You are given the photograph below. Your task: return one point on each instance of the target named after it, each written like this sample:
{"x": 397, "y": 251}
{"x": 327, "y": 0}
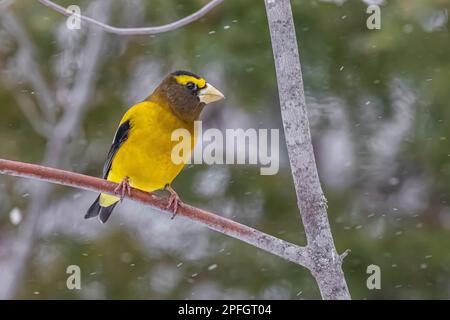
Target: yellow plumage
{"x": 142, "y": 154}
{"x": 145, "y": 157}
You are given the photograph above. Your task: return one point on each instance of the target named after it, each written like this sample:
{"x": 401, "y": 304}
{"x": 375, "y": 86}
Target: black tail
{"x": 94, "y": 209}
{"x": 97, "y": 210}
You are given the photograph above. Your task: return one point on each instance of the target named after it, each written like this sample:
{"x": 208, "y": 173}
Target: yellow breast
{"x": 145, "y": 157}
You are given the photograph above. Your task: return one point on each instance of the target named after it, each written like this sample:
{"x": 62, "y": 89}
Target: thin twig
{"x": 273, "y": 245}
{"x": 345, "y": 254}
{"x": 137, "y": 31}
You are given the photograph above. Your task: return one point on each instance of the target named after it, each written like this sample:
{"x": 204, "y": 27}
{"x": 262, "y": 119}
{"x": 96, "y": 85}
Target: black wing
{"x": 119, "y": 138}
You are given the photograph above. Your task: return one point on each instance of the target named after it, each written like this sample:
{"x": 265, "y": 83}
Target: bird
{"x": 140, "y": 154}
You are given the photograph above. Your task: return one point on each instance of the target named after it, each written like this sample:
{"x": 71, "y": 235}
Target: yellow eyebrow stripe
{"x": 185, "y": 79}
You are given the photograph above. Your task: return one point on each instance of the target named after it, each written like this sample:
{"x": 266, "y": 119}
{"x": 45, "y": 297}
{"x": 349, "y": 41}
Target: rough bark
{"x": 326, "y": 263}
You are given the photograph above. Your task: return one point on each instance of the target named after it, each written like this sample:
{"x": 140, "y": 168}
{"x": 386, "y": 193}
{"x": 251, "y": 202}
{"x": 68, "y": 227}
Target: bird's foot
{"x": 174, "y": 200}
{"x": 123, "y": 188}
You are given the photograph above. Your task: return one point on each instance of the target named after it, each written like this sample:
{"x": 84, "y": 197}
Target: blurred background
{"x": 378, "y": 106}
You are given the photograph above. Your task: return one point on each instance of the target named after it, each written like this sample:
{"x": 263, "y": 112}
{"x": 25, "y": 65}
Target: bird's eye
{"x": 191, "y": 86}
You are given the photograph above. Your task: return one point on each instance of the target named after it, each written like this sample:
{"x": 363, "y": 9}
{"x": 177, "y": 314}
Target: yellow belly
{"x": 146, "y": 156}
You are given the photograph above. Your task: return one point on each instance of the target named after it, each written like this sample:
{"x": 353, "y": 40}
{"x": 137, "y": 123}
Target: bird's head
{"x": 186, "y": 94}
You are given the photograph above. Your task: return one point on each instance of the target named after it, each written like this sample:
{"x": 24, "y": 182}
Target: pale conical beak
{"x": 210, "y": 94}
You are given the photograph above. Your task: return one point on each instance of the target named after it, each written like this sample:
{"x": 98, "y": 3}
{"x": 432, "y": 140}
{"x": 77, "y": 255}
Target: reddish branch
{"x": 213, "y": 221}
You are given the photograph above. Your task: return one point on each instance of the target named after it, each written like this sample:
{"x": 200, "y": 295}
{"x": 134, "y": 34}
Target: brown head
{"x": 185, "y": 94}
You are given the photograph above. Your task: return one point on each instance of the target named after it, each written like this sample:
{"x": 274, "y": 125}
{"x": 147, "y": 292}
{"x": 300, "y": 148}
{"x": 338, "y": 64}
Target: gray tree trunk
{"x": 326, "y": 263}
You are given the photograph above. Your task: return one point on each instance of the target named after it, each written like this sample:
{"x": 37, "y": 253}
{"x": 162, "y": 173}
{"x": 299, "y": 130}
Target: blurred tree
{"x": 387, "y": 188}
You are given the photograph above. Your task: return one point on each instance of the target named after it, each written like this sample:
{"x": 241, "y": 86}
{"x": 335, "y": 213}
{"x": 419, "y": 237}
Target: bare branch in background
{"x": 4, "y": 4}
{"x": 29, "y": 110}
{"x": 273, "y": 245}
{"x": 326, "y": 262}
{"x": 79, "y": 95}
{"x": 65, "y": 127}
{"x": 137, "y": 31}
{"x": 26, "y": 63}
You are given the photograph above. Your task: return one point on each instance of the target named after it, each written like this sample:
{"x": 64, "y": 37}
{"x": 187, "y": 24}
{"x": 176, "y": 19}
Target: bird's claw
{"x": 174, "y": 200}
{"x": 123, "y": 188}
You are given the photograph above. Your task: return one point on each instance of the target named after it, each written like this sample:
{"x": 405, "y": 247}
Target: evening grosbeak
{"x": 140, "y": 154}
